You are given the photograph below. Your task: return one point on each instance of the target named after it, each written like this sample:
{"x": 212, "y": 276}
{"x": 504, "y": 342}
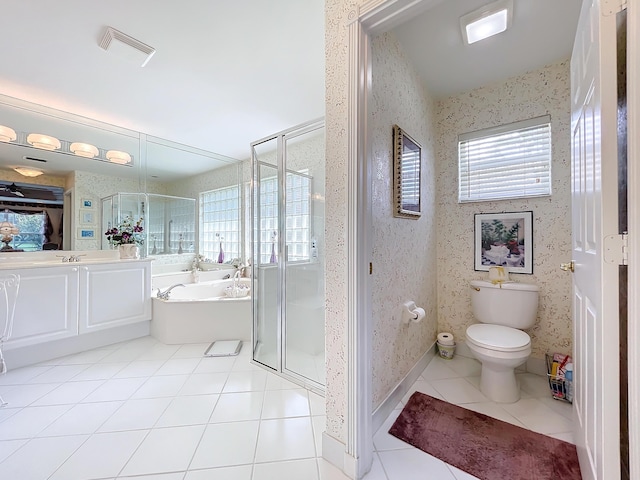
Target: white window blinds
{"x": 509, "y": 161}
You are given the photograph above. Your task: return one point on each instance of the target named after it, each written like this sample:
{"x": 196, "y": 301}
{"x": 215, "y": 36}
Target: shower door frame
{"x": 281, "y": 162}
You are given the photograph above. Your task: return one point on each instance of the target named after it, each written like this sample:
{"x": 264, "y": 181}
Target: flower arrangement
{"x": 126, "y": 233}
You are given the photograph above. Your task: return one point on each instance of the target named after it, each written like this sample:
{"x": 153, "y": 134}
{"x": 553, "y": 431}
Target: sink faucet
{"x": 165, "y": 295}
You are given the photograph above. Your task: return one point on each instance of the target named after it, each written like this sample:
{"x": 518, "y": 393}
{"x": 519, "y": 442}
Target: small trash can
{"x": 446, "y": 351}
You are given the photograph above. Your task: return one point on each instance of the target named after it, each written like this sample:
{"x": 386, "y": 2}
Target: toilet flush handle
{"x": 477, "y": 289}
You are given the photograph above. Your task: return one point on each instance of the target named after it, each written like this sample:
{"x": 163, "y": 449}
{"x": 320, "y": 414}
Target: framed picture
{"x": 87, "y": 217}
{"x": 86, "y": 233}
{"x": 86, "y": 203}
{"x": 407, "y": 166}
{"x": 504, "y": 239}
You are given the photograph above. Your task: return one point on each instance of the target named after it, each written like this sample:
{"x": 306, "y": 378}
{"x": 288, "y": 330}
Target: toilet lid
{"x": 497, "y": 337}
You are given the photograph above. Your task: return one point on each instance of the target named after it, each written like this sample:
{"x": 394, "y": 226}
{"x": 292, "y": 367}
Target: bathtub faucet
{"x": 165, "y": 295}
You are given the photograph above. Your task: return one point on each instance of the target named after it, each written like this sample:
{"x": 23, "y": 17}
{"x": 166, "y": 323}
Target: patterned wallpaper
{"x": 544, "y": 91}
{"x": 404, "y": 260}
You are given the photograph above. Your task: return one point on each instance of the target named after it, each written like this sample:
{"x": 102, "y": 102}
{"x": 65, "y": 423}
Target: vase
{"x": 274, "y": 257}
{"x": 129, "y": 251}
{"x": 221, "y": 254}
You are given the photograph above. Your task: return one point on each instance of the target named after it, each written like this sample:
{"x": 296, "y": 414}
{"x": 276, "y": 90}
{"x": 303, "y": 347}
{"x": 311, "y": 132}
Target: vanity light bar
{"x": 80, "y": 149}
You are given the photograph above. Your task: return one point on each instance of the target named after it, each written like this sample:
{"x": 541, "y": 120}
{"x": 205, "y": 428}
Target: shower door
{"x": 288, "y": 257}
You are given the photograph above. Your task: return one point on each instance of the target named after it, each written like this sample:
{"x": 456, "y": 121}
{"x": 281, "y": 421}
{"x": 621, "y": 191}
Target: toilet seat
{"x": 498, "y": 337}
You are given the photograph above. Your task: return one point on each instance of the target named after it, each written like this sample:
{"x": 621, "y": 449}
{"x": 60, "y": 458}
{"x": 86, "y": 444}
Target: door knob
{"x": 568, "y": 267}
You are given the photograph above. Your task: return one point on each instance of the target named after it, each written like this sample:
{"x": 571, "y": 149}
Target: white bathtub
{"x": 201, "y": 313}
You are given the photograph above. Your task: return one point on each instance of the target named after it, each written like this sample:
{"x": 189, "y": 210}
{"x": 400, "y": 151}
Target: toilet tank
{"x": 510, "y": 304}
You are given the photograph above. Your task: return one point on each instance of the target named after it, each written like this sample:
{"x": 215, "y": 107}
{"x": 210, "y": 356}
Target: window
{"x": 32, "y": 228}
{"x": 510, "y": 161}
{"x": 297, "y": 216}
{"x": 220, "y": 223}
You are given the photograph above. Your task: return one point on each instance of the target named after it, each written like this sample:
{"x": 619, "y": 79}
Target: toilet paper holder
{"x": 412, "y": 313}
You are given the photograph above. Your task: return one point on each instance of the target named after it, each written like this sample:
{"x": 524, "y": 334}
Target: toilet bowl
{"x": 497, "y": 342}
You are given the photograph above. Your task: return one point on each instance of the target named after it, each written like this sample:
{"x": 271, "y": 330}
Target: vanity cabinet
{"x": 46, "y": 306}
{"x": 111, "y": 297}
{"x": 61, "y": 301}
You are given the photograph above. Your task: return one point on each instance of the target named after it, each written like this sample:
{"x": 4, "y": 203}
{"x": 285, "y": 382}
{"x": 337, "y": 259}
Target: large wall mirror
{"x": 56, "y": 169}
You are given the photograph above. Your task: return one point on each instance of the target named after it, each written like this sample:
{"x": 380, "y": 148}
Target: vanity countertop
{"x": 19, "y": 260}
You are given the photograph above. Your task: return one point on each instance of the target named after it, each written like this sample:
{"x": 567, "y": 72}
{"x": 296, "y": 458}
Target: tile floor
{"x": 148, "y": 411}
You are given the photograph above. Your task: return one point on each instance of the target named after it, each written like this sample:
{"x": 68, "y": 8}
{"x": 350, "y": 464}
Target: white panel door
{"x": 594, "y": 216}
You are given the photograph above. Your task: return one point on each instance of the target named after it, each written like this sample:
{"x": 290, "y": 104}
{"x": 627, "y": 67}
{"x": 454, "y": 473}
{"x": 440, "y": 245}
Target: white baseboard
{"x": 29, "y": 355}
{"x": 389, "y": 404}
{"x": 334, "y": 452}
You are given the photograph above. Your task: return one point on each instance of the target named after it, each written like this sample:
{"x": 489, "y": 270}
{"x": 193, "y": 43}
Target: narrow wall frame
{"x": 407, "y": 175}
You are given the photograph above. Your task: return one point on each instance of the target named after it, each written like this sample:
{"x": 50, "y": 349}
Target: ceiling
{"x": 227, "y": 73}
{"x": 541, "y": 33}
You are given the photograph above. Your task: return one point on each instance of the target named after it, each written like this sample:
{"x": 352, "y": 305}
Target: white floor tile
{"x": 191, "y": 410}
{"x": 84, "y": 358}
{"x": 84, "y": 418}
{"x": 422, "y": 386}
{"x": 102, "y": 455}
{"x": 383, "y": 440}
{"x": 7, "y": 411}
{"x": 215, "y": 365}
{"x": 161, "y": 386}
{"x": 68, "y": 393}
{"x": 285, "y": 439}
{"x": 60, "y": 373}
{"x": 165, "y": 450}
{"x": 115, "y": 389}
{"x": 565, "y": 437}
{"x": 139, "y": 368}
{"x": 535, "y": 385}
{"x": 22, "y": 375}
{"x": 160, "y": 476}
{"x": 40, "y": 457}
{"x": 376, "y": 473}
{"x": 7, "y": 447}
{"x": 294, "y": 469}
{"x": 285, "y": 404}
{"x": 159, "y": 352}
{"x": 463, "y": 366}
{"x": 253, "y": 381}
{"x": 178, "y": 366}
{"x": 226, "y": 444}
{"x": 30, "y": 421}
{"x": 458, "y": 391}
{"x": 241, "y": 472}
{"x": 411, "y": 464}
{"x": 22, "y": 395}
{"x": 559, "y": 406}
{"x": 138, "y": 414}
{"x": 204, "y": 383}
{"x": 233, "y": 407}
{"x": 536, "y": 416}
{"x": 191, "y": 350}
{"x": 99, "y": 371}
{"x": 318, "y": 423}
{"x": 317, "y": 404}
{"x": 328, "y": 471}
{"x": 438, "y": 369}
{"x": 122, "y": 355}
{"x": 276, "y": 382}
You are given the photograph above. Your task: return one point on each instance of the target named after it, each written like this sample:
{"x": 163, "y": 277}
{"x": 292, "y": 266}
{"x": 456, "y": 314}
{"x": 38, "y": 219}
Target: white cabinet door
{"x": 46, "y": 307}
{"x": 113, "y": 295}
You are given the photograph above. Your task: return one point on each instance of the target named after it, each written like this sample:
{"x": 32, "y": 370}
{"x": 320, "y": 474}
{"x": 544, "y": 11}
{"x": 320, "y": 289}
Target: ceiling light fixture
{"x": 7, "y": 134}
{"x": 28, "y": 171}
{"x": 85, "y": 150}
{"x": 116, "y": 156}
{"x": 487, "y": 21}
{"x": 44, "y": 142}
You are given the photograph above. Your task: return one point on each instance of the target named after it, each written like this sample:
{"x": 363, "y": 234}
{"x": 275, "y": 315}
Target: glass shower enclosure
{"x": 287, "y": 200}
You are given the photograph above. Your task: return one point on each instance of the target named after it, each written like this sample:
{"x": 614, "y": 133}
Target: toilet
{"x": 503, "y": 309}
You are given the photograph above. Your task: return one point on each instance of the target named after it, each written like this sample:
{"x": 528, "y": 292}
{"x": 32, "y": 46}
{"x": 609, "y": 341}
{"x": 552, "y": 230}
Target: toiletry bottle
{"x": 568, "y": 375}
{"x": 314, "y": 250}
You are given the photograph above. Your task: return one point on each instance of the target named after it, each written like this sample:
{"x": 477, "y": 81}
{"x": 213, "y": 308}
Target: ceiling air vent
{"x": 126, "y": 47}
